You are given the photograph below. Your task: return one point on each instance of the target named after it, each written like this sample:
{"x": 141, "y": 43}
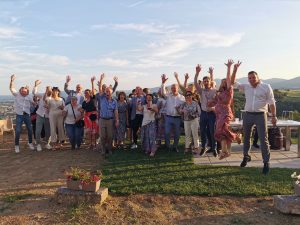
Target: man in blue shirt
{"x": 109, "y": 118}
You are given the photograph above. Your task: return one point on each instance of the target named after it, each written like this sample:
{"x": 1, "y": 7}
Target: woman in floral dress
{"x": 224, "y": 115}
{"x": 123, "y": 119}
{"x": 148, "y": 131}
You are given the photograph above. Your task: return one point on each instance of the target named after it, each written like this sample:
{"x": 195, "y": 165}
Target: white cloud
{"x": 15, "y": 56}
{"x": 113, "y": 62}
{"x": 207, "y": 40}
{"x": 136, "y": 4}
{"x": 10, "y": 32}
{"x": 14, "y": 19}
{"x": 139, "y": 27}
{"x": 64, "y": 34}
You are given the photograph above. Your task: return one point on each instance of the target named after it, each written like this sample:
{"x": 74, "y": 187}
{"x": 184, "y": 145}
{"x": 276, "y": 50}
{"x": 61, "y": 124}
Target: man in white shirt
{"x": 172, "y": 118}
{"x": 258, "y": 97}
{"x": 22, "y": 109}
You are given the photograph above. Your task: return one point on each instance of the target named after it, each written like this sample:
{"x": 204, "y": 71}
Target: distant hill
{"x": 276, "y": 83}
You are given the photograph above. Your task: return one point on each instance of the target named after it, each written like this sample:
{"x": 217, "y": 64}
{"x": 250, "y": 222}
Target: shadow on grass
{"x": 128, "y": 172}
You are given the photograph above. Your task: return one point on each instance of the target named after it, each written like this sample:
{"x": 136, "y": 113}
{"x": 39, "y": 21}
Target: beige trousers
{"x": 191, "y": 129}
{"x": 57, "y": 124}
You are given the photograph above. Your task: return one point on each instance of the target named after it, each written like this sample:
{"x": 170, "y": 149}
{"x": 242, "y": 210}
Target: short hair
{"x": 74, "y": 98}
{"x": 146, "y": 90}
{"x": 206, "y": 77}
{"x": 133, "y": 90}
{"x": 55, "y": 89}
{"x": 252, "y": 72}
{"x": 88, "y": 90}
{"x": 121, "y": 93}
{"x": 150, "y": 95}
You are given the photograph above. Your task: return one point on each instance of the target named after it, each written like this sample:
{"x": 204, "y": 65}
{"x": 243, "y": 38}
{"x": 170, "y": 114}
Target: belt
{"x": 25, "y": 113}
{"x": 255, "y": 113}
{"x": 109, "y": 118}
{"x": 174, "y": 116}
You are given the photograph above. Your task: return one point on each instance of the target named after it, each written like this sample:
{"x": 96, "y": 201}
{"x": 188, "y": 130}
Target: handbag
{"x": 79, "y": 123}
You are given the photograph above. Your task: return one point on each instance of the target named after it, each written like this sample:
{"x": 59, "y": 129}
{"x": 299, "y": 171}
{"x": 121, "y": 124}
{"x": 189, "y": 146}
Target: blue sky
{"x": 138, "y": 40}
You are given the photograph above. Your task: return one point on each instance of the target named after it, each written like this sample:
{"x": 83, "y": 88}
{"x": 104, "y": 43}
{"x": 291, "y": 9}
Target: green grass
{"x": 129, "y": 172}
{"x": 16, "y": 197}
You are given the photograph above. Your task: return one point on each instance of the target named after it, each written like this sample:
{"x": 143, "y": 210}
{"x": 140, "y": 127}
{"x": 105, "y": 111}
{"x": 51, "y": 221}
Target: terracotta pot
{"x": 74, "y": 185}
{"x": 297, "y": 189}
{"x": 92, "y": 186}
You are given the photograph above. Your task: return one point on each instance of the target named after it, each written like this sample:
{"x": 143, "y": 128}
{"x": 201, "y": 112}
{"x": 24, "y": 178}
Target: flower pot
{"x": 74, "y": 184}
{"x": 297, "y": 189}
{"x": 92, "y": 186}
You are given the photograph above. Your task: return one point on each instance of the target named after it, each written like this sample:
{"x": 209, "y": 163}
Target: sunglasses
{"x": 188, "y": 95}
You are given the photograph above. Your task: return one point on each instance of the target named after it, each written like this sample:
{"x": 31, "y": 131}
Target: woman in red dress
{"x": 224, "y": 115}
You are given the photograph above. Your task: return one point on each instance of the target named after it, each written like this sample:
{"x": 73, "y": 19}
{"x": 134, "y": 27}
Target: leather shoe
{"x": 246, "y": 159}
{"x": 266, "y": 168}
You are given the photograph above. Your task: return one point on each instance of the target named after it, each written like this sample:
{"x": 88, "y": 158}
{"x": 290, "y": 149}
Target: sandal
{"x": 238, "y": 138}
{"x": 224, "y": 155}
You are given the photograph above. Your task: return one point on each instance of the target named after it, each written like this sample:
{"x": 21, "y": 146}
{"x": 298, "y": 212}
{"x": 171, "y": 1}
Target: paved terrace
{"x": 279, "y": 158}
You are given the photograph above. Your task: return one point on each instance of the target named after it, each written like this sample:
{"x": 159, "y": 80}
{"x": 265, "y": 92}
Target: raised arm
{"x": 182, "y": 88}
{"x": 228, "y": 77}
{"x": 235, "y": 68}
{"x": 100, "y": 83}
{"x": 197, "y": 86}
{"x": 186, "y": 77}
{"x": 116, "y": 84}
{"x": 34, "y": 90}
{"x": 93, "y": 87}
{"x": 11, "y": 85}
{"x": 163, "y": 88}
{"x": 66, "y": 87}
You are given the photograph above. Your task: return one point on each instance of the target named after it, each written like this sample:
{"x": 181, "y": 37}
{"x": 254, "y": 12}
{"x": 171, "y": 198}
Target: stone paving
{"x": 279, "y": 158}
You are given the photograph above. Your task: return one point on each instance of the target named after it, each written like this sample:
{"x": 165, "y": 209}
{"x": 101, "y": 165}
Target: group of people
{"x": 105, "y": 121}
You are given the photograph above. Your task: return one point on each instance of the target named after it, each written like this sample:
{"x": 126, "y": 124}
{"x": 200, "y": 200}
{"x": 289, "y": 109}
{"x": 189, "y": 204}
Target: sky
{"x": 138, "y": 40}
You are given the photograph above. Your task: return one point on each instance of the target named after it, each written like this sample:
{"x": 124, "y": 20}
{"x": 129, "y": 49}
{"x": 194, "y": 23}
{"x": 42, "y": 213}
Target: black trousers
{"x": 136, "y": 124}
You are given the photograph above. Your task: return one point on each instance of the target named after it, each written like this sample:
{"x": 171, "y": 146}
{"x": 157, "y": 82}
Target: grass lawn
{"x": 129, "y": 172}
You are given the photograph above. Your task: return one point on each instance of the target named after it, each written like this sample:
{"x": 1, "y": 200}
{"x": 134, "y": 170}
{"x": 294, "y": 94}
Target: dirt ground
{"x": 29, "y": 180}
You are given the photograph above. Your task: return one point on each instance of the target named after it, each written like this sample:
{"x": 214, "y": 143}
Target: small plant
{"x": 295, "y": 176}
{"x": 84, "y": 176}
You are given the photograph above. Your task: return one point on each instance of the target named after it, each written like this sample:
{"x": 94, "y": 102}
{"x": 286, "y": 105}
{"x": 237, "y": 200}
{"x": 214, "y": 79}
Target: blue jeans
{"x": 75, "y": 134}
{"x": 175, "y": 122}
{"x": 19, "y": 121}
{"x": 207, "y": 125}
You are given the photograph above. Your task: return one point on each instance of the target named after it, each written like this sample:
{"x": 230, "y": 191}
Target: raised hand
{"x": 164, "y": 78}
{"x": 115, "y": 79}
{"x": 211, "y": 70}
{"x": 68, "y": 78}
{"x": 186, "y": 76}
{"x": 229, "y": 63}
{"x": 12, "y": 77}
{"x": 176, "y": 75}
{"x": 102, "y": 76}
{"x": 37, "y": 82}
{"x": 237, "y": 65}
{"x": 93, "y": 78}
{"x": 198, "y": 69}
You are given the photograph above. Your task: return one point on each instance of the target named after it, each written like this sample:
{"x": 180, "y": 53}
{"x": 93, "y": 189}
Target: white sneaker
{"x": 134, "y": 146}
{"x": 31, "y": 146}
{"x": 17, "y": 148}
{"x": 48, "y": 146}
{"x": 39, "y": 148}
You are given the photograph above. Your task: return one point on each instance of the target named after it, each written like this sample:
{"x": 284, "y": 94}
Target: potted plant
{"x": 297, "y": 183}
{"x": 80, "y": 179}
{"x": 92, "y": 181}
